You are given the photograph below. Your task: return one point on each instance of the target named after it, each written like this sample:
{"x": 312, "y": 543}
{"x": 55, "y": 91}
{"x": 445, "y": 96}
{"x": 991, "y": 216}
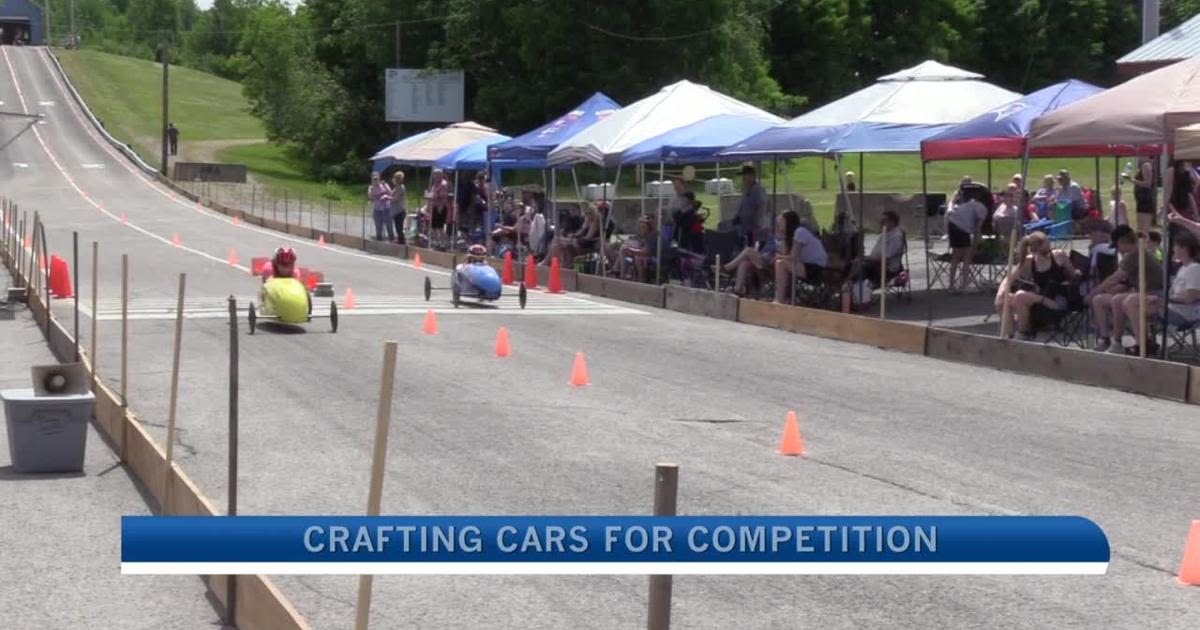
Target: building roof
{"x": 1181, "y": 42}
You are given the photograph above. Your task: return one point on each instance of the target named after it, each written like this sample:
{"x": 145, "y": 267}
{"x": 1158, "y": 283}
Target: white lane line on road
{"x": 20, "y": 164}
{"x": 71, "y": 181}
{"x": 46, "y": 103}
{"x": 204, "y": 308}
{"x": 92, "y": 165}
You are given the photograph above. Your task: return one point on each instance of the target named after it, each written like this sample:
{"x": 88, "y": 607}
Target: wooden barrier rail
{"x": 854, "y": 328}
{"x": 261, "y": 606}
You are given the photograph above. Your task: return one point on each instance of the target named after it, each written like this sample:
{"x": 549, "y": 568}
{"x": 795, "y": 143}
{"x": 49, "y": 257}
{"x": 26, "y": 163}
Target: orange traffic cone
{"x": 233, "y": 259}
{"x": 236, "y": 220}
{"x": 792, "y": 443}
{"x": 124, "y": 219}
{"x": 175, "y": 240}
{"x": 502, "y": 349}
{"x": 1189, "y": 569}
{"x": 311, "y": 282}
{"x": 506, "y": 274}
{"x": 530, "y": 273}
{"x": 348, "y": 300}
{"x": 555, "y": 282}
{"x": 579, "y": 373}
{"x": 60, "y": 278}
{"x": 321, "y": 240}
{"x": 430, "y": 323}
{"x": 417, "y": 260}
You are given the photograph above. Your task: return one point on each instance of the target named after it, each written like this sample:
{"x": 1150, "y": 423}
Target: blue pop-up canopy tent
{"x": 473, "y": 156}
{"x": 701, "y": 140}
{"x": 1003, "y": 132}
{"x": 529, "y": 150}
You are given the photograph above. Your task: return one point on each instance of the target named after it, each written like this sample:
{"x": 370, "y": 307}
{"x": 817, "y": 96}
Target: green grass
{"x": 126, "y": 94}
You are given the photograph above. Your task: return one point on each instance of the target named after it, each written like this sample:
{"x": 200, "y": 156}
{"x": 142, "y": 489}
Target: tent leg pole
{"x": 925, "y": 218}
{"x": 658, "y": 254}
{"x": 862, "y": 229}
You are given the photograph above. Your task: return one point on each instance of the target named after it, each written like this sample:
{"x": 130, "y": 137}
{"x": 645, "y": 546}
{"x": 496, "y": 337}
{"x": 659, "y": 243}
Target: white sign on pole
{"x": 415, "y": 95}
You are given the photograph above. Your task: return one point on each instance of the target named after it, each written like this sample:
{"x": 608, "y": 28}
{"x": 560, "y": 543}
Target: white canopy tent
{"x": 677, "y": 105}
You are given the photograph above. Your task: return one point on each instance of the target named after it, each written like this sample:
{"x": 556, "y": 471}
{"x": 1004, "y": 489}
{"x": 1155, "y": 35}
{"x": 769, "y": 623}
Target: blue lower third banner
{"x": 640, "y": 545}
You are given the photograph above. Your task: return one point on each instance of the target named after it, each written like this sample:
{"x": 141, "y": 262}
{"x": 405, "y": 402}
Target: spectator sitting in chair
{"x": 751, "y": 261}
{"x": 1010, "y": 213}
{"x": 1107, "y": 297}
{"x": 638, "y": 250}
{"x": 1178, "y": 219}
{"x": 568, "y": 245}
{"x": 868, "y": 267}
{"x": 1040, "y": 286}
{"x": 1183, "y": 305}
{"x": 1044, "y": 197}
{"x": 689, "y": 225}
{"x": 505, "y": 234}
{"x": 1072, "y": 194}
{"x": 1155, "y": 243}
{"x": 1101, "y": 254}
{"x": 806, "y": 260}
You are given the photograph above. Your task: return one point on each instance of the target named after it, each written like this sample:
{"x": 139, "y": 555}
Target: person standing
{"x": 1144, "y": 185}
{"x": 399, "y": 204}
{"x": 752, "y": 206}
{"x": 173, "y": 138}
{"x": 380, "y": 196}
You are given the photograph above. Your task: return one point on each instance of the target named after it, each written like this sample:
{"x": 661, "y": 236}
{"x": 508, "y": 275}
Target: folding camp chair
{"x": 1182, "y": 341}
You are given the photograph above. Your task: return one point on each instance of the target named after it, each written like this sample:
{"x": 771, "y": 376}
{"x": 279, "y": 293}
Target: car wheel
{"x": 333, "y": 316}
{"x": 428, "y": 288}
{"x": 522, "y": 295}
{"x": 252, "y": 316}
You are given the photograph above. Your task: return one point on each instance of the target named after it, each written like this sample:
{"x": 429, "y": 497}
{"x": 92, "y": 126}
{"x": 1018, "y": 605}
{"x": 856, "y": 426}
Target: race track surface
{"x": 887, "y": 433}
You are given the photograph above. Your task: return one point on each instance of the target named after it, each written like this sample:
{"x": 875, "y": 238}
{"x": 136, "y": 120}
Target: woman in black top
{"x": 1040, "y": 285}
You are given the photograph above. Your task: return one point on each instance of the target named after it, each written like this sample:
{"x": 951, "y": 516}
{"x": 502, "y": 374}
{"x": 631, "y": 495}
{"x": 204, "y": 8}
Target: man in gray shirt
{"x": 753, "y": 205}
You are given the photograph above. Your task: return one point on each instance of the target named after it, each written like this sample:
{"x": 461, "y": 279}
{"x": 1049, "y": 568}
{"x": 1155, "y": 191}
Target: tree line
{"x": 314, "y": 72}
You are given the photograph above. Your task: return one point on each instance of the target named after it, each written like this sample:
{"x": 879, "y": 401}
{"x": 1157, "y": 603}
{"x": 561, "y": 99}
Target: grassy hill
{"x": 213, "y": 117}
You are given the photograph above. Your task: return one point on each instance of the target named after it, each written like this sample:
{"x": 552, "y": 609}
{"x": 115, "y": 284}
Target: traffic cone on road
{"x": 60, "y": 278}
{"x": 311, "y": 283}
{"x": 579, "y": 372}
{"x": 348, "y": 300}
{"x": 236, "y": 220}
{"x": 175, "y": 240}
{"x": 430, "y": 327}
{"x": 530, "y": 273}
{"x": 1189, "y": 569}
{"x": 502, "y": 349}
{"x": 555, "y": 284}
{"x": 321, "y": 240}
{"x": 791, "y": 444}
{"x": 417, "y": 260}
{"x": 233, "y": 259}
{"x": 507, "y": 274}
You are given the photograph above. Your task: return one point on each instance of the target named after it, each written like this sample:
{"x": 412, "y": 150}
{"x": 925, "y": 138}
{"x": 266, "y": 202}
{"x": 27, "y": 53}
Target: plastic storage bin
{"x": 47, "y": 433}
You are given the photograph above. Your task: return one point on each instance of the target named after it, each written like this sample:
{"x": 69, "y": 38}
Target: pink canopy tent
{"x": 1145, "y": 110}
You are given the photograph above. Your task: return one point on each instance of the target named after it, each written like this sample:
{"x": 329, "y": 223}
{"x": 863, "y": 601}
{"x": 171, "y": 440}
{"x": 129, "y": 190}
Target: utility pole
{"x": 1149, "y": 20}
{"x": 71, "y": 44}
{"x": 166, "y": 63}
{"x": 398, "y": 123}
{"x": 47, "y": 40}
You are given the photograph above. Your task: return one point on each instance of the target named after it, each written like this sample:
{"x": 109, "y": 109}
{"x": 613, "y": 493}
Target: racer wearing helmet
{"x": 476, "y": 254}
{"x": 281, "y": 265}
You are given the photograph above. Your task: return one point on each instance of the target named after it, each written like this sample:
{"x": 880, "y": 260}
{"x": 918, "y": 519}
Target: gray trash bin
{"x": 46, "y": 433}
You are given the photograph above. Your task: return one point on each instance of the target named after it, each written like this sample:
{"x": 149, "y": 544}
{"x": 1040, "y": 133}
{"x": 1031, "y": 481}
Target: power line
{"x": 672, "y": 38}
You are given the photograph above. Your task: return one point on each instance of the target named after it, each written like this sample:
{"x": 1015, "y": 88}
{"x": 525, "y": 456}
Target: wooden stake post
{"x": 883, "y": 261}
{"x": 1006, "y": 286}
{"x": 383, "y": 418}
{"x": 124, "y": 353}
{"x": 95, "y": 306}
{"x": 666, "y": 485}
{"x": 1141, "y": 324}
{"x": 169, "y": 472}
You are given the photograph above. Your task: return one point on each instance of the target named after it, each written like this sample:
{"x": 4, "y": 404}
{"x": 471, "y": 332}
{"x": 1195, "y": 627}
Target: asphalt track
{"x": 887, "y": 433}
